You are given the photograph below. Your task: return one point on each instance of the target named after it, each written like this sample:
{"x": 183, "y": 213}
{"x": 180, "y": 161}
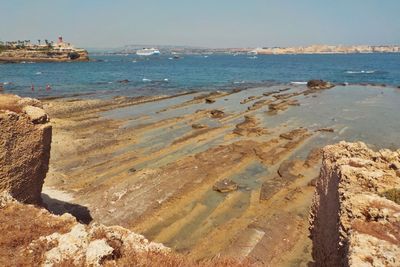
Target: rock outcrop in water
{"x": 25, "y": 138}
{"x": 319, "y": 84}
{"x": 13, "y": 52}
{"x": 355, "y": 220}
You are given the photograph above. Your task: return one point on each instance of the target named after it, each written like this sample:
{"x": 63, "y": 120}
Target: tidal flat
{"x": 151, "y": 163}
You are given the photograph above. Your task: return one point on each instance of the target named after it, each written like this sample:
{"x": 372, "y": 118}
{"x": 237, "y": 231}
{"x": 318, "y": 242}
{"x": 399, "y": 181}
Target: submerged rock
{"x": 210, "y": 100}
{"x": 249, "y": 127}
{"x": 293, "y": 134}
{"x": 225, "y": 186}
{"x": 217, "y": 114}
{"x": 123, "y": 81}
{"x": 329, "y": 130}
{"x": 199, "y": 126}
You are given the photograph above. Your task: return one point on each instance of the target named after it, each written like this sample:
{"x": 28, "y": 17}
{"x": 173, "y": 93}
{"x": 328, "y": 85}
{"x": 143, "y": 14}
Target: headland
{"x": 25, "y": 51}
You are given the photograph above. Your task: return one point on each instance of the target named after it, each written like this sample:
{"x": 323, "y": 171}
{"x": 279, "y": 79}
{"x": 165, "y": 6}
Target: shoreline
{"x": 107, "y": 94}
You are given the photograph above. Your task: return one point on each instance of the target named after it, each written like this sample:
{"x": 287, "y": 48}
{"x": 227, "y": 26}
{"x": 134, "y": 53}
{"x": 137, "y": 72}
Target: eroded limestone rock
{"x": 25, "y": 139}
{"x": 352, "y": 223}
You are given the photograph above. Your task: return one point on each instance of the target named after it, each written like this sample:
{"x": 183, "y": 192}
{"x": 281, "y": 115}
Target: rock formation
{"x": 319, "y": 84}
{"x": 355, "y": 220}
{"x": 25, "y": 138}
{"x": 51, "y": 240}
{"x": 20, "y": 55}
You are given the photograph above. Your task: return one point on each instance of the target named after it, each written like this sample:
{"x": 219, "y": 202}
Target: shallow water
{"x": 160, "y": 75}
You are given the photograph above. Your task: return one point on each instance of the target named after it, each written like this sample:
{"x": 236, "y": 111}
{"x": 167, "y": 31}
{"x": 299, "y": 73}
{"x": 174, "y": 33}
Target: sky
{"x": 205, "y": 23}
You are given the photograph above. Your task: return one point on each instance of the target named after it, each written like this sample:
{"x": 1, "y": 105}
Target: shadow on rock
{"x": 58, "y": 207}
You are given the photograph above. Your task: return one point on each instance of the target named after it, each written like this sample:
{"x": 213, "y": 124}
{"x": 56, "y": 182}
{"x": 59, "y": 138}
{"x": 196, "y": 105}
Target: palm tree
{"x": 39, "y": 41}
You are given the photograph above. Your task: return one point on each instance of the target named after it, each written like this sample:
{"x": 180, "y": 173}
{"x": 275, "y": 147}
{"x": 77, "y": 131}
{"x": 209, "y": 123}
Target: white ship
{"x": 147, "y": 52}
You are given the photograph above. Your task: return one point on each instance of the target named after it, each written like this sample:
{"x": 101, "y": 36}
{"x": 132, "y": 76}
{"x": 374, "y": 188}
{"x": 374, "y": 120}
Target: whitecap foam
{"x": 146, "y": 80}
{"x": 38, "y": 73}
{"x": 299, "y": 83}
{"x": 360, "y": 71}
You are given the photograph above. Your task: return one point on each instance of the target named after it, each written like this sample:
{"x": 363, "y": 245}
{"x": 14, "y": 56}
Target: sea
{"x": 130, "y": 75}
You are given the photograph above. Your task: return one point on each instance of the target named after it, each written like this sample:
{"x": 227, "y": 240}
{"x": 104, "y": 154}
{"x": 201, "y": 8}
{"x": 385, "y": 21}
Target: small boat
{"x": 253, "y": 52}
{"x": 148, "y": 52}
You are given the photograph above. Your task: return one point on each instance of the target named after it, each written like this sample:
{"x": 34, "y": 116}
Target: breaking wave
{"x": 300, "y": 83}
{"x": 360, "y": 71}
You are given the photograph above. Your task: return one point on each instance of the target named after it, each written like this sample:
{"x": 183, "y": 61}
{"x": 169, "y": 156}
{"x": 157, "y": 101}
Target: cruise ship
{"x": 147, "y": 52}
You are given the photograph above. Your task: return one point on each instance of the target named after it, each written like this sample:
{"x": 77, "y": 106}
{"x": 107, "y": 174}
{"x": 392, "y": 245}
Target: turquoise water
{"x": 164, "y": 75}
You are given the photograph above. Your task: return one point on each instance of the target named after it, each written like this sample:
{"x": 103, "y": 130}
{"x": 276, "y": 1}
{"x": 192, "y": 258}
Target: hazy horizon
{"x": 223, "y": 24}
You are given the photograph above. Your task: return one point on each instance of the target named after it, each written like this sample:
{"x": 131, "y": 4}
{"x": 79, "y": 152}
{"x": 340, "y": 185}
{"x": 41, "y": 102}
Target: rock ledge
{"x": 353, "y": 221}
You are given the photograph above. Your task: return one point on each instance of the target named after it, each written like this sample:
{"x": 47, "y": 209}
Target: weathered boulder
{"x": 353, "y": 219}
{"x": 225, "y": 186}
{"x": 25, "y": 139}
{"x": 319, "y": 84}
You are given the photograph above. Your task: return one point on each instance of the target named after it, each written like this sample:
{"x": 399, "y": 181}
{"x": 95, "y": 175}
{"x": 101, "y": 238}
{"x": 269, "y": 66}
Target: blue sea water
{"x": 165, "y": 75}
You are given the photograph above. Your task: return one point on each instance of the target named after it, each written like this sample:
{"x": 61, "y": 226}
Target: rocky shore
{"x": 210, "y": 175}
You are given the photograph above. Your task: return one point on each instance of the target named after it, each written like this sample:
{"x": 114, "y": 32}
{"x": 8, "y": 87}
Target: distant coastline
{"x": 312, "y": 49}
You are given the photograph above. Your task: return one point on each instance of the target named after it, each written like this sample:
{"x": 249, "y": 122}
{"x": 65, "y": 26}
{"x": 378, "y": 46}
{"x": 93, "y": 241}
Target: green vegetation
{"x": 392, "y": 194}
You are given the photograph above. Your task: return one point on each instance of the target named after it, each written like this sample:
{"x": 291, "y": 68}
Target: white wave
{"x": 239, "y": 82}
{"x": 38, "y": 73}
{"x": 166, "y": 80}
{"x": 146, "y": 80}
{"x": 360, "y": 71}
{"x": 299, "y": 83}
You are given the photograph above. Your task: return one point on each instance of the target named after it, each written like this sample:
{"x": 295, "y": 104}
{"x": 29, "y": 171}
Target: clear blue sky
{"x": 210, "y": 23}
